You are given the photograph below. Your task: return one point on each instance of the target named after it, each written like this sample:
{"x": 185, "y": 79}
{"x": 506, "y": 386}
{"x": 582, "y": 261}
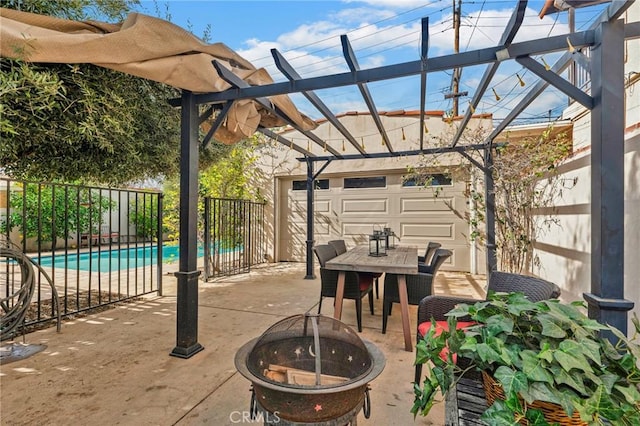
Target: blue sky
{"x": 382, "y": 32}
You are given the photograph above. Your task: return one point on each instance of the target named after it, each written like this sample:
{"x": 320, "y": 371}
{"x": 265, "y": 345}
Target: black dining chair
{"x": 356, "y": 285}
{"x": 341, "y": 247}
{"x": 437, "y": 306}
{"x": 418, "y": 286}
{"x": 438, "y": 258}
{"x": 430, "y": 250}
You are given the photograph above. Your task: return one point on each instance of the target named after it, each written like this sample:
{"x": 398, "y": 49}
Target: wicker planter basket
{"x": 553, "y": 413}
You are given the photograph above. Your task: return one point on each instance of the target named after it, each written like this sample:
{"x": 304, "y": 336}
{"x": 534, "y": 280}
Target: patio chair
{"x": 436, "y": 306}
{"x": 418, "y": 286}
{"x": 438, "y": 258}
{"x": 356, "y": 285}
{"x": 107, "y": 236}
{"x": 431, "y": 248}
{"x": 341, "y": 247}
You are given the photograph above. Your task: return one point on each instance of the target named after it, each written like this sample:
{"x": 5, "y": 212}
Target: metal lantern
{"x": 390, "y": 238}
{"x": 377, "y": 244}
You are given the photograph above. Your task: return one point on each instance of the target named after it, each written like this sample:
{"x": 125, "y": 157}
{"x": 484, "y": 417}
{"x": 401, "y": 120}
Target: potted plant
{"x": 548, "y": 352}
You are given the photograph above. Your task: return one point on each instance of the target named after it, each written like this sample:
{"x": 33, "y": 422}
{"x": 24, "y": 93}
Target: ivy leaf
{"x": 533, "y": 367}
{"x": 538, "y": 391}
{"x": 536, "y": 418}
{"x": 575, "y": 381}
{"x": 630, "y": 393}
{"x": 511, "y": 380}
{"x": 487, "y": 353}
{"x": 498, "y": 324}
{"x": 546, "y": 352}
{"x": 550, "y": 328}
{"x": 569, "y": 355}
{"x": 602, "y": 404}
{"x": 498, "y": 415}
{"x": 608, "y": 381}
{"x": 591, "y": 349}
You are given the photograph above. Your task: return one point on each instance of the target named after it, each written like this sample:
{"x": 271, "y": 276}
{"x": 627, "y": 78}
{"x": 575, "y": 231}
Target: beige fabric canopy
{"x": 146, "y": 47}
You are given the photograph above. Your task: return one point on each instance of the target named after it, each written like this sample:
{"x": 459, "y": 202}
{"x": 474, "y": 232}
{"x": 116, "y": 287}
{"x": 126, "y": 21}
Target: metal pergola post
{"x": 310, "y": 221}
{"x": 606, "y": 300}
{"x": 311, "y": 179}
{"x": 187, "y": 298}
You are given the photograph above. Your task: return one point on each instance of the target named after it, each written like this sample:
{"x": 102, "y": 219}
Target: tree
{"x": 80, "y": 122}
{"x": 230, "y": 175}
{"x": 43, "y": 211}
{"x": 525, "y": 182}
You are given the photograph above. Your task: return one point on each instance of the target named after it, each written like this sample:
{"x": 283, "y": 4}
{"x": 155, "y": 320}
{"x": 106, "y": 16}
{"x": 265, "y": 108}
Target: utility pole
{"x": 457, "y": 72}
{"x": 573, "y": 71}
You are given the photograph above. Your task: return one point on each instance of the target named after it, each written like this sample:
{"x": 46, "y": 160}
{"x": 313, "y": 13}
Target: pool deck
{"x": 114, "y": 367}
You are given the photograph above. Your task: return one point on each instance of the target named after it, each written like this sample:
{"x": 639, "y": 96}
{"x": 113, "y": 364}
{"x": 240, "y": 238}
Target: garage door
{"x": 350, "y": 207}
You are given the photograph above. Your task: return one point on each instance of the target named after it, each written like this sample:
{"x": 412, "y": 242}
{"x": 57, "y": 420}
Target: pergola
{"x": 605, "y": 39}
{"x": 183, "y": 61}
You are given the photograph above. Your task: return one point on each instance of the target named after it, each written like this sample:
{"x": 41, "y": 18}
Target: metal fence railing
{"x": 93, "y": 246}
{"x": 234, "y": 236}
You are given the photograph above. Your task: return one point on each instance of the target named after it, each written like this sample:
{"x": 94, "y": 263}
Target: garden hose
{"x": 15, "y": 305}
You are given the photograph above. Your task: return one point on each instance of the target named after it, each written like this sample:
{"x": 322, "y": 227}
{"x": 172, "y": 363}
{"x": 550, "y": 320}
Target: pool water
{"x": 113, "y": 260}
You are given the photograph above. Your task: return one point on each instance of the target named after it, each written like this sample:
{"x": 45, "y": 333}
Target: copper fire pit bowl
{"x": 310, "y": 369}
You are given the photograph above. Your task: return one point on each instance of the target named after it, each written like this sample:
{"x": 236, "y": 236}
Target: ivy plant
{"x": 546, "y": 351}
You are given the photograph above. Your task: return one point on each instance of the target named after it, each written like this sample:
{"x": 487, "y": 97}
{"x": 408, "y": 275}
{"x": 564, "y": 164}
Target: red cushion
{"x": 364, "y": 281}
{"x": 441, "y": 326}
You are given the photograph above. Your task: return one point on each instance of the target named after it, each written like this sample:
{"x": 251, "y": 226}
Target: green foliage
{"x": 74, "y": 9}
{"x": 231, "y": 174}
{"x": 82, "y": 122}
{"x": 64, "y": 122}
{"x": 62, "y": 211}
{"x": 526, "y": 181}
{"x": 545, "y": 351}
{"x": 143, "y": 215}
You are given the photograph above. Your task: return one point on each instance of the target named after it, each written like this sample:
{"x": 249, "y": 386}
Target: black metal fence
{"x": 93, "y": 246}
{"x": 234, "y": 236}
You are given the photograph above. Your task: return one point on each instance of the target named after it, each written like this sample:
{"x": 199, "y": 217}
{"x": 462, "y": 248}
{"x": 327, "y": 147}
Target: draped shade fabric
{"x": 150, "y": 48}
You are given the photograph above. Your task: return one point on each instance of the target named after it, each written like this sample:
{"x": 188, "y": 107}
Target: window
{"x": 301, "y": 185}
{"x": 366, "y": 182}
{"x": 436, "y": 179}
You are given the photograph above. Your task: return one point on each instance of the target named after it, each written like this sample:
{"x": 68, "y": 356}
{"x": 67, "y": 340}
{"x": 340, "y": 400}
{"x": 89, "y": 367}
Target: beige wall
{"x": 565, "y": 252}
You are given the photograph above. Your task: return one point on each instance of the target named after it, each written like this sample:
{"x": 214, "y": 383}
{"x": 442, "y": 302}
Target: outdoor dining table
{"x": 400, "y": 260}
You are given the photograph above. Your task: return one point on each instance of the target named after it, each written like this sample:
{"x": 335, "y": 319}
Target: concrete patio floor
{"x": 114, "y": 368}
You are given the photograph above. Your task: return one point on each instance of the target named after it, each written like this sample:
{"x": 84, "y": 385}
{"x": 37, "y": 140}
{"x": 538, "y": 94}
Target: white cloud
{"x": 314, "y": 49}
{"x": 404, "y": 4}
{"x": 481, "y": 29}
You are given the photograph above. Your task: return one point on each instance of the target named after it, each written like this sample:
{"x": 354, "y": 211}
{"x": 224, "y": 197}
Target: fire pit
{"x": 310, "y": 369}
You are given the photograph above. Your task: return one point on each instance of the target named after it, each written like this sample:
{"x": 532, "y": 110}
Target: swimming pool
{"x": 113, "y": 260}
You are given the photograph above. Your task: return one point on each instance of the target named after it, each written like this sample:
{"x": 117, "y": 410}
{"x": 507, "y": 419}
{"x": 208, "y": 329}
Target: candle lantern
{"x": 390, "y": 238}
{"x": 377, "y": 244}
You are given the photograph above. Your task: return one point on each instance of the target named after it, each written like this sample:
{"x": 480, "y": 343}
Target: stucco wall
{"x": 564, "y": 251}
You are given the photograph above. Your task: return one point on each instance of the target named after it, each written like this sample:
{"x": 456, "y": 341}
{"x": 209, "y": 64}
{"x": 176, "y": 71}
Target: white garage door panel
{"x": 364, "y": 206}
{"x": 323, "y": 206}
{"x": 353, "y": 229}
{"x": 437, "y": 205}
{"x": 321, "y": 228}
{"x": 414, "y": 214}
{"x": 427, "y": 230}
